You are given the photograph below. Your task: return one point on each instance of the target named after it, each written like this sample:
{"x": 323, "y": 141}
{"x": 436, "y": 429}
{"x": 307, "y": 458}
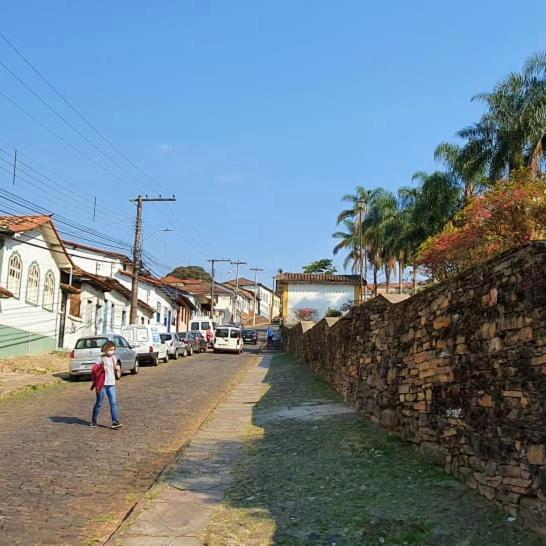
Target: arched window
{"x": 15, "y": 268}
{"x": 49, "y": 291}
{"x": 33, "y": 283}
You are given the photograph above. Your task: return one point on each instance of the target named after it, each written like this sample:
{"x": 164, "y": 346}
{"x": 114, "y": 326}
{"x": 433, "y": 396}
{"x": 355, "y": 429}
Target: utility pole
{"x": 137, "y": 250}
{"x": 255, "y": 269}
{"x": 237, "y": 264}
{"x": 212, "y": 262}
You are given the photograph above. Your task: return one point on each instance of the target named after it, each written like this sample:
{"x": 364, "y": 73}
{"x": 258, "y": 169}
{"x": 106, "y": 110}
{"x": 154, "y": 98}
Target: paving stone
{"x": 184, "y": 501}
{"x": 65, "y": 482}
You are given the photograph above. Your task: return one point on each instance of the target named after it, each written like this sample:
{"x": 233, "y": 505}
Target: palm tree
{"x": 511, "y": 134}
{"x": 359, "y": 201}
{"x": 462, "y": 166}
{"x": 383, "y": 208}
{"x": 349, "y": 242}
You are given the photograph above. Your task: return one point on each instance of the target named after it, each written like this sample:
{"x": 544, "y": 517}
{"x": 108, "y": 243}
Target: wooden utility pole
{"x": 137, "y": 250}
{"x": 255, "y": 269}
{"x": 212, "y": 262}
{"x": 237, "y": 264}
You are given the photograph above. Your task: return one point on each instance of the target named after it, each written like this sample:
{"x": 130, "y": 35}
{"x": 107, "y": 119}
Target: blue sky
{"x": 259, "y": 116}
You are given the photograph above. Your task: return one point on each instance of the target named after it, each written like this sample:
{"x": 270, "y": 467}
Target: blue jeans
{"x": 109, "y": 391}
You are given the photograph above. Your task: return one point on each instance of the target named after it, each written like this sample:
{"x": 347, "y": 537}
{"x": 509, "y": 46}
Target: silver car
{"x": 87, "y": 352}
{"x": 174, "y": 347}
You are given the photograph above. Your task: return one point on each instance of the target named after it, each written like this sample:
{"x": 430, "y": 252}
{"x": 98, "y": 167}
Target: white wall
{"x": 16, "y": 312}
{"x": 91, "y": 322}
{"x": 155, "y": 298}
{"x": 317, "y": 296}
{"x": 94, "y": 262}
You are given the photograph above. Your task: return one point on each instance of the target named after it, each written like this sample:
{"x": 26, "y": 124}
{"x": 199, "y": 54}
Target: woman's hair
{"x": 108, "y": 346}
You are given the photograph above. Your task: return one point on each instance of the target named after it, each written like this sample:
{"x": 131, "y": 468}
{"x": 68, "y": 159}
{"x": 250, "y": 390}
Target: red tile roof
{"x": 75, "y": 244}
{"x": 20, "y": 224}
{"x": 312, "y": 278}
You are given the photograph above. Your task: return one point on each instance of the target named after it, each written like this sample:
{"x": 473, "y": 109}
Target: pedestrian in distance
{"x": 104, "y": 374}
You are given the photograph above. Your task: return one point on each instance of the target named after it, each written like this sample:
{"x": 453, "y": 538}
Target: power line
{"x": 48, "y": 177}
{"x": 63, "y": 140}
{"x": 71, "y": 106}
{"x": 29, "y": 205}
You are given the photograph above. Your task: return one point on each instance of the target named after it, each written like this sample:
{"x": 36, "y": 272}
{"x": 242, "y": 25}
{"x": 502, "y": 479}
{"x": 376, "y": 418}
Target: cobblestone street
{"x": 65, "y": 483}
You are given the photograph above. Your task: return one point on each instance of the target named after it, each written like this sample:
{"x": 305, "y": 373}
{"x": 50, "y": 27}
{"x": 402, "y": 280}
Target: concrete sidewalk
{"x": 177, "y": 509}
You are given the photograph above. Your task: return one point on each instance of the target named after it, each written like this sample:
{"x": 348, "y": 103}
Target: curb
{"x": 239, "y": 376}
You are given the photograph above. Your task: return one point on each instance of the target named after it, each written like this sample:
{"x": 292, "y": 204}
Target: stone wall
{"x": 459, "y": 369}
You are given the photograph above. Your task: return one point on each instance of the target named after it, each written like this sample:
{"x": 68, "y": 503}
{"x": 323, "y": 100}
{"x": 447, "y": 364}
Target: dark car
{"x": 189, "y": 343}
{"x": 200, "y": 338}
{"x": 250, "y": 336}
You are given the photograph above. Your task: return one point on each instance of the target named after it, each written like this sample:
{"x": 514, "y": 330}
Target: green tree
{"x": 190, "y": 272}
{"x": 354, "y": 241}
{"x": 511, "y": 134}
{"x": 324, "y": 266}
{"x": 460, "y": 164}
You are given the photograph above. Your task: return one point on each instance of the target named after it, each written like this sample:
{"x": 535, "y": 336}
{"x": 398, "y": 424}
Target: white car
{"x": 205, "y": 326}
{"x": 148, "y": 344}
{"x": 228, "y": 339}
{"x": 87, "y": 352}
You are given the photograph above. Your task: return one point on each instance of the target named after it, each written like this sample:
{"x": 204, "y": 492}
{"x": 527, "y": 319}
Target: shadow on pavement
{"x": 69, "y": 420}
{"x": 312, "y": 476}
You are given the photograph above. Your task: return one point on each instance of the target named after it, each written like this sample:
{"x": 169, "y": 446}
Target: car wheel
{"x": 166, "y": 358}
{"x": 175, "y": 356}
{"x": 134, "y": 369}
{"x": 155, "y": 361}
{"x": 191, "y": 351}
{"x": 185, "y": 353}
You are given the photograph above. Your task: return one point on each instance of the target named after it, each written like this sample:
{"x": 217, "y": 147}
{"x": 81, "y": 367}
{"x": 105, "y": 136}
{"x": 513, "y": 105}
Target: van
{"x": 228, "y": 339}
{"x": 206, "y": 326}
{"x": 148, "y": 344}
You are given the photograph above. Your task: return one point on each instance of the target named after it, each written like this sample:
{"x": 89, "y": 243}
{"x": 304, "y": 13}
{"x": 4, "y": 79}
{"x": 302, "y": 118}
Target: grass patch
{"x": 342, "y": 481}
{"x": 26, "y": 391}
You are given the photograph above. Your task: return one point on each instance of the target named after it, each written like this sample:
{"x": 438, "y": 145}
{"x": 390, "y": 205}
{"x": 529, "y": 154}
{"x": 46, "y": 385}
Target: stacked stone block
{"x": 459, "y": 369}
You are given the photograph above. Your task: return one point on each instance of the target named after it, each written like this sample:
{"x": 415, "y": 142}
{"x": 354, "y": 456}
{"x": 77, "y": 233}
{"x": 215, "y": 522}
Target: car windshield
{"x": 165, "y": 337}
{"x": 249, "y": 332}
{"x": 194, "y": 326}
{"x": 222, "y": 332}
{"x": 205, "y": 325}
{"x": 91, "y": 343}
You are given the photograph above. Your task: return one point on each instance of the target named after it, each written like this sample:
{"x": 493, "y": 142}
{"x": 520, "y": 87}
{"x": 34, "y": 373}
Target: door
{"x": 121, "y": 350}
{"x": 62, "y": 321}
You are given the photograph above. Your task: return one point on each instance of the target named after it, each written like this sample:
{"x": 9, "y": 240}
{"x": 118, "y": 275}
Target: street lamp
{"x": 363, "y": 259}
{"x": 156, "y": 232}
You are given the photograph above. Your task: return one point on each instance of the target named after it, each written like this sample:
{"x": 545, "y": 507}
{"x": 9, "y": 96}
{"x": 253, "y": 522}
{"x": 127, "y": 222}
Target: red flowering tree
{"x": 512, "y": 213}
{"x": 307, "y": 313}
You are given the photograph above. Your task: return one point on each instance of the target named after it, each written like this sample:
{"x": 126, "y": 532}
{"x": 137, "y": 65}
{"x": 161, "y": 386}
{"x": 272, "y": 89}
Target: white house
{"x": 32, "y": 259}
{"x": 315, "y": 292}
{"x": 153, "y": 292}
{"x": 267, "y": 302}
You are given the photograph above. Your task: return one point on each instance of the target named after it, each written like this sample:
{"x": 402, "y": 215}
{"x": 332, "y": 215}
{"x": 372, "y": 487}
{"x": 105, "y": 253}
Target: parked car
{"x": 87, "y": 352}
{"x": 190, "y": 343}
{"x": 147, "y": 342}
{"x": 250, "y": 336}
{"x": 206, "y": 326}
{"x": 201, "y": 341}
{"x": 174, "y": 345}
{"x": 228, "y": 339}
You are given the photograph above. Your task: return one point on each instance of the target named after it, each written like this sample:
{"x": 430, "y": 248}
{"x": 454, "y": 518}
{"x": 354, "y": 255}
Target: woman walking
{"x": 104, "y": 375}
